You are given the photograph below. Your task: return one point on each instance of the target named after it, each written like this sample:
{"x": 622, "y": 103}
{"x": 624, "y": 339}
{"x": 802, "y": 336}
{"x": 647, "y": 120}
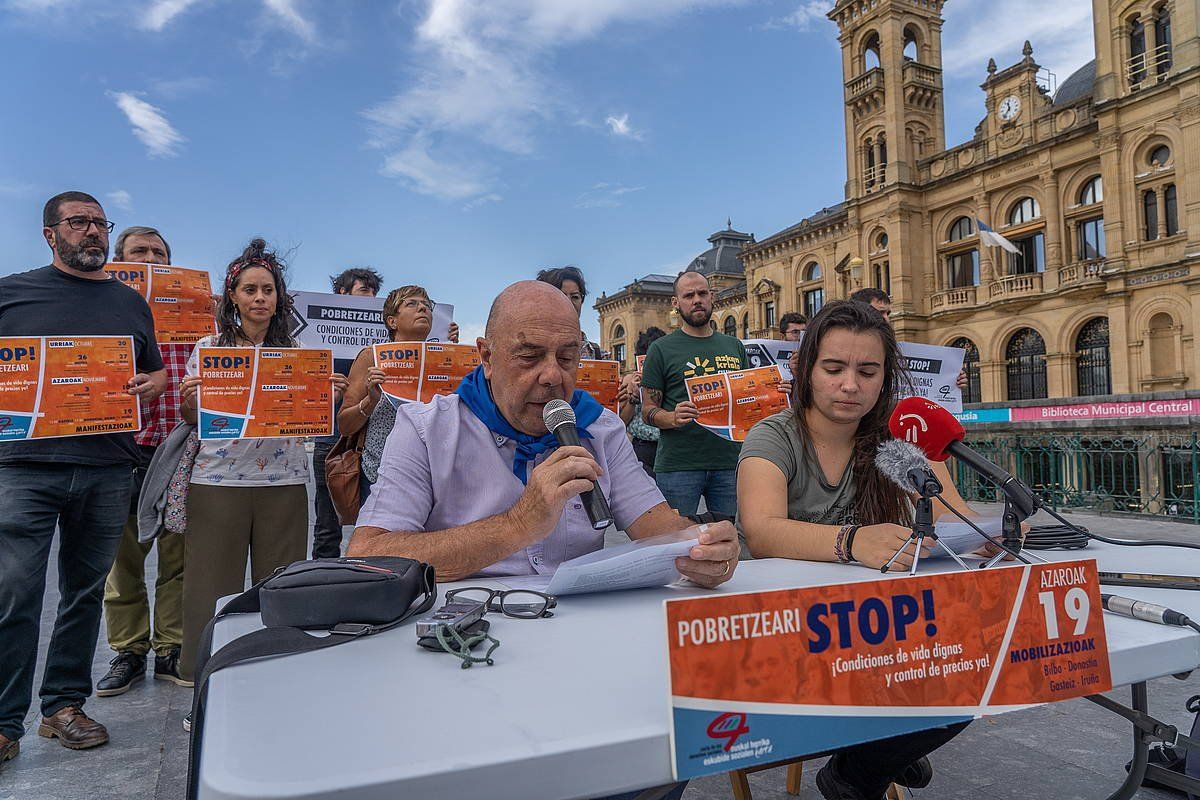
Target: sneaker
{"x": 833, "y": 786}
{"x": 123, "y": 671}
{"x": 187, "y": 722}
{"x": 166, "y": 668}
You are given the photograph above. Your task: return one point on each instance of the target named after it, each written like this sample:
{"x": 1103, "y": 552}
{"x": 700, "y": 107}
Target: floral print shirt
{"x": 247, "y": 462}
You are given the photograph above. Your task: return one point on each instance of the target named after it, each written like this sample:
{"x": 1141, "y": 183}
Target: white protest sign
{"x": 934, "y": 370}
{"x": 443, "y": 315}
{"x": 347, "y": 323}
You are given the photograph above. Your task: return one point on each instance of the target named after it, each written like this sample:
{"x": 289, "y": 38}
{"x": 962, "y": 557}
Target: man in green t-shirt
{"x": 692, "y": 462}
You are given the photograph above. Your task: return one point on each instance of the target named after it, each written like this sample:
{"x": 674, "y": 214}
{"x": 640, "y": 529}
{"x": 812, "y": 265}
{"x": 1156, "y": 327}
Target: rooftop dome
{"x": 722, "y": 257}
{"x": 1078, "y": 86}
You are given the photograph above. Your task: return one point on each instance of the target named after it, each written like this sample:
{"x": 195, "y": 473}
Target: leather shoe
{"x": 125, "y": 670}
{"x": 73, "y": 729}
{"x": 9, "y": 749}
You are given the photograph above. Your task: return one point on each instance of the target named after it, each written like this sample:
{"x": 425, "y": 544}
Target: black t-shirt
{"x": 49, "y": 302}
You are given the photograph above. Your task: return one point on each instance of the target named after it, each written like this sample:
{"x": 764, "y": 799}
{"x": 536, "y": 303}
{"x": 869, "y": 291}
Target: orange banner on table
{"x": 602, "y": 380}
{"x": 265, "y": 393}
{"x": 66, "y": 386}
{"x": 798, "y": 671}
{"x": 731, "y": 403}
{"x": 419, "y": 371}
{"x": 180, "y": 299}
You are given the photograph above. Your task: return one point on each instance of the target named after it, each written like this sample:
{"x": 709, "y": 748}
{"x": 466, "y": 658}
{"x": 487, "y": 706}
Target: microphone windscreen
{"x": 927, "y": 425}
{"x": 556, "y": 412}
{"x": 895, "y": 459}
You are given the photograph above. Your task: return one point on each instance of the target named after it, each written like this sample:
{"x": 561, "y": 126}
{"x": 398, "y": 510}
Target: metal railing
{"x": 1150, "y": 67}
{"x": 1155, "y": 474}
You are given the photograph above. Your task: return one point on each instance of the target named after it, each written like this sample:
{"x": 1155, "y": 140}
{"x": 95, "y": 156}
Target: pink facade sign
{"x": 1133, "y": 409}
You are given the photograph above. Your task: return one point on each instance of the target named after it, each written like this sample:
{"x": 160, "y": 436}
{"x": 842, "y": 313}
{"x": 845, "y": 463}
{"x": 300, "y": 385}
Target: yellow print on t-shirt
{"x": 700, "y": 365}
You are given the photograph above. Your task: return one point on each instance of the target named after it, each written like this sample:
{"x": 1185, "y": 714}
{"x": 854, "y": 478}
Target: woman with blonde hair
{"x": 408, "y": 315}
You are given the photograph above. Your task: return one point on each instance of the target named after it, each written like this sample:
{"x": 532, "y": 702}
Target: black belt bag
{"x": 349, "y": 597}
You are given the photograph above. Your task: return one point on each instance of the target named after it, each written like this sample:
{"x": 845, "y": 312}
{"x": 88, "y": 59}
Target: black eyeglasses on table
{"x": 518, "y": 603}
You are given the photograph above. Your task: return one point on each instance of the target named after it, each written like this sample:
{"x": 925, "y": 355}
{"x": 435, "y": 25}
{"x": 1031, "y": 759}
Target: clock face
{"x": 1010, "y": 107}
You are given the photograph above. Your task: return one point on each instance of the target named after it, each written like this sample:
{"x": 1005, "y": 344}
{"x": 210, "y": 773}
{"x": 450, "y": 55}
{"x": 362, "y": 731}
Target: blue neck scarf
{"x": 477, "y": 394}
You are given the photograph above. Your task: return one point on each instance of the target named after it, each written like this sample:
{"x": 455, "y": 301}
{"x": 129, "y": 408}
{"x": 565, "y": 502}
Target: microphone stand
{"x": 1017, "y": 554}
{"x": 923, "y": 527}
{"x": 1010, "y": 528}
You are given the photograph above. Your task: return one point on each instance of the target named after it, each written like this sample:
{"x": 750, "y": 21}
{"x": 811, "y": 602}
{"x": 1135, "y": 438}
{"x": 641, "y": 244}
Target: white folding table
{"x": 575, "y": 706}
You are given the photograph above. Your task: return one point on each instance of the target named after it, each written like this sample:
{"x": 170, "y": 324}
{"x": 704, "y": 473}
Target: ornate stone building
{"x": 1097, "y": 184}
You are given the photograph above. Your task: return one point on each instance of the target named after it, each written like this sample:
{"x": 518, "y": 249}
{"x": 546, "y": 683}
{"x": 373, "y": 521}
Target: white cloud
{"x": 149, "y": 125}
{"x": 121, "y": 199}
{"x": 619, "y": 126}
{"x": 288, "y": 15}
{"x": 605, "y": 195}
{"x": 482, "y": 83}
{"x": 160, "y": 13}
{"x": 976, "y": 30}
{"x": 431, "y": 175}
{"x": 804, "y": 16}
{"x": 482, "y": 201}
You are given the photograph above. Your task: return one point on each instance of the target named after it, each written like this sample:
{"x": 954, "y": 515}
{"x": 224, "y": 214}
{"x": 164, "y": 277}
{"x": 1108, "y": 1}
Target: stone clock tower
{"x": 892, "y": 69}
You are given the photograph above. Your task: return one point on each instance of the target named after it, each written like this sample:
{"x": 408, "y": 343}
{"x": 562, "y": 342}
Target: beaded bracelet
{"x": 839, "y": 544}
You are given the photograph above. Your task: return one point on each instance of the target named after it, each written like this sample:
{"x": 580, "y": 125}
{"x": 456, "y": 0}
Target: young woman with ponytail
{"x": 248, "y": 497}
{"x": 808, "y": 488}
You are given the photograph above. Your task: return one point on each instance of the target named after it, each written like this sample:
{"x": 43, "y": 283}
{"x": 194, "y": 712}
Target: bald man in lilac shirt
{"x": 450, "y": 489}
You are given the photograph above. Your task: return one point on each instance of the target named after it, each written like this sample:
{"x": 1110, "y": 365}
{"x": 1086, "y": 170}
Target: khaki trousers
{"x": 127, "y": 603}
{"x": 225, "y": 525}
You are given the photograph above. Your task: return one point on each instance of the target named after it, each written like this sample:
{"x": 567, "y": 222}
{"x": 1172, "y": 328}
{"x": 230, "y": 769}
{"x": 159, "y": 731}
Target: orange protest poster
{"x": 763, "y": 676}
{"x": 731, "y": 403}
{"x": 52, "y": 387}
{"x": 420, "y": 371}
{"x": 263, "y": 393}
{"x": 600, "y": 379}
{"x": 180, "y": 299}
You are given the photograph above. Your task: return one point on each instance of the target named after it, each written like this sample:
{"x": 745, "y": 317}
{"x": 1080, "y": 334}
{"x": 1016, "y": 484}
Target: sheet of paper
{"x": 962, "y": 538}
{"x": 636, "y": 565}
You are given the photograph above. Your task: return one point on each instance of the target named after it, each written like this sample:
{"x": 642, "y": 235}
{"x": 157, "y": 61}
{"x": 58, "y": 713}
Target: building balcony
{"x": 865, "y": 93}
{"x": 921, "y": 74}
{"x": 951, "y": 299}
{"x": 1013, "y": 286}
{"x": 1083, "y": 273}
{"x": 1147, "y": 69}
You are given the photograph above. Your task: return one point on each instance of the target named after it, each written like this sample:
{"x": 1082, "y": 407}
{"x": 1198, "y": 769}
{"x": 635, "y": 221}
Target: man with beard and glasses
{"x": 691, "y": 462}
{"x": 82, "y": 484}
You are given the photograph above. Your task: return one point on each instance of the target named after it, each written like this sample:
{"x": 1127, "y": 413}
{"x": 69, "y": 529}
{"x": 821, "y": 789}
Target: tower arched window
{"x": 1093, "y": 363}
{"x": 870, "y": 55}
{"x": 1090, "y": 243}
{"x": 812, "y": 272}
{"x": 618, "y": 343}
{"x": 972, "y": 393}
{"x": 869, "y": 147}
{"x": 731, "y": 326}
{"x": 1150, "y": 215}
{"x": 745, "y": 326}
{"x": 912, "y": 50}
{"x": 1025, "y": 363}
{"x": 962, "y": 266}
{"x": 1092, "y": 192}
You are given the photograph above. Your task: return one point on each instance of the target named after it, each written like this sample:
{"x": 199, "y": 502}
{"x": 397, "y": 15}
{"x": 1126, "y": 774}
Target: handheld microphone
{"x": 560, "y": 420}
{"x": 906, "y": 466}
{"x": 1138, "y": 609}
{"x": 932, "y": 428}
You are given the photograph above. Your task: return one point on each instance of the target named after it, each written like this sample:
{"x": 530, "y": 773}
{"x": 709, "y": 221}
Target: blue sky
{"x": 459, "y": 144}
